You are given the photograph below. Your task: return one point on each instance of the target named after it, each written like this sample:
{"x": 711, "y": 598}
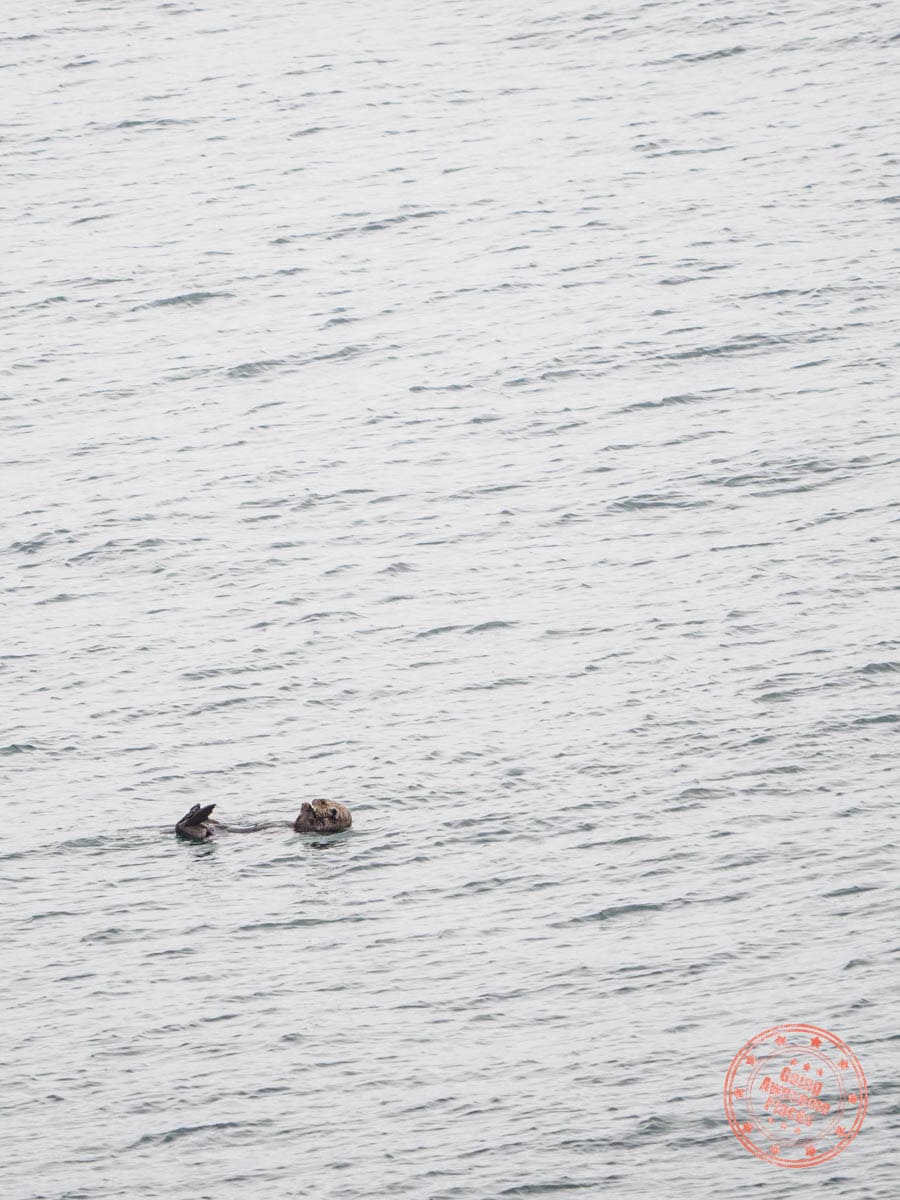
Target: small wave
{"x": 188, "y": 299}
{"x": 249, "y": 370}
{"x": 748, "y": 343}
{"x": 708, "y": 55}
{"x": 609, "y": 914}
{"x": 59, "y": 598}
{"x": 382, "y": 223}
{"x": 112, "y": 934}
{"x": 402, "y": 219}
{"x": 665, "y": 402}
{"x": 305, "y": 922}
{"x": 45, "y": 303}
{"x": 326, "y": 614}
{"x": 152, "y": 123}
{"x": 494, "y": 684}
{"x": 551, "y": 1188}
{"x": 447, "y": 387}
{"x": 855, "y": 890}
{"x": 649, "y": 501}
{"x": 181, "y": 1131}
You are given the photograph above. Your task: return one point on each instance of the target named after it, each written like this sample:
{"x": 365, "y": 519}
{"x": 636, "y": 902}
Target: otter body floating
{"x": 322, "y": 816}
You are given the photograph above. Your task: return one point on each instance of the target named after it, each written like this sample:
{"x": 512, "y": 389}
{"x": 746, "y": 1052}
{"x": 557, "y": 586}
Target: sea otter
{"x": 322, "y": 816}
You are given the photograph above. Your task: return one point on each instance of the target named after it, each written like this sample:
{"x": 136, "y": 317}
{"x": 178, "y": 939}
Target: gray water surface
{"x": 485, "y": 415}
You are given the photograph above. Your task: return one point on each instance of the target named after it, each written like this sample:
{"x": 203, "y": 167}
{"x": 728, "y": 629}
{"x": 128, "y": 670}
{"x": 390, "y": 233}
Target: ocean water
{"x": 485, "y": 415}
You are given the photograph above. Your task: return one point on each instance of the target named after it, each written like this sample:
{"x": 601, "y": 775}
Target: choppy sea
{"x": 486, "y": 415}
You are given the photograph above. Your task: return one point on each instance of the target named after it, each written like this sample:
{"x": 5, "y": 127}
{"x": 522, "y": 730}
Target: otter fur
{"x": 323, "y": 816}
{"x": 196, "y": 824}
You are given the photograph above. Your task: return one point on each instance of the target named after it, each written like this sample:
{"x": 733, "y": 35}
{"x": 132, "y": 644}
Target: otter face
{"x": 323, "y": 816}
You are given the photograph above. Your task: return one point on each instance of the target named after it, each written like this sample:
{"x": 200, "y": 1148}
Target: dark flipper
{"x": 193, "y": 824}
{"x": 197, "y": 815}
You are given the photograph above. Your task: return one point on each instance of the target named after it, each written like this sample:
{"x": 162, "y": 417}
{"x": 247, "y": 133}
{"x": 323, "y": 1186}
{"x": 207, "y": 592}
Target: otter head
{"x": 193, "y": 824}
{"x": 323, "y": 816}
